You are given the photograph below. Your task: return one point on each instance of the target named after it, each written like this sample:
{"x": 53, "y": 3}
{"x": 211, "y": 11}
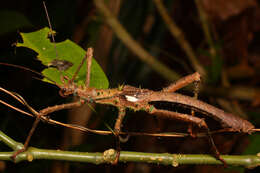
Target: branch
{"x": 128, "y": 156}
{"x": 10, "y": 142}
{"x": 205, "y": 26}
{"x": 180, "y": 37}
{"x": 133, "y": 45}
{"x": 109, "y": 155}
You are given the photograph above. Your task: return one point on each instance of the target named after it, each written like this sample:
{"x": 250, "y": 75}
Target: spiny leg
{"x": 193, "y": 78}
{"x": 43, "y": 112}
{"x": 26, "y": 143}
{"x": 190, "y": 119}
{"x": 195, "y": 92}
{"x": 48, "y": 110}
{"x": 117, "y": 129}
{"x": 184, "y": 81}
{"x": 88, "y": 56}
{"x": 214, "y": 147}
{"x": 178, "y": 116}
{"x": 35, "y": 113}
{"x": 89, "y": 63}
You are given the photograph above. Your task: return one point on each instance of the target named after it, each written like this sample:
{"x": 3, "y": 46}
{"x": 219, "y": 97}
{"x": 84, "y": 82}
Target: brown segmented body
{"x": 227, "y": 119}
{"x": 144, "y": 96}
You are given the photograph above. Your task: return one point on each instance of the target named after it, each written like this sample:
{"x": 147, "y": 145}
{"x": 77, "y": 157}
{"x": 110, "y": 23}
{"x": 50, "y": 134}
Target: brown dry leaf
{"x": 223, "y": 9}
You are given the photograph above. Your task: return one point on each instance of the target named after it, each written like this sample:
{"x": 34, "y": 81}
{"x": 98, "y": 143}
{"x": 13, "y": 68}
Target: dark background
{"x": 234, "y": 27}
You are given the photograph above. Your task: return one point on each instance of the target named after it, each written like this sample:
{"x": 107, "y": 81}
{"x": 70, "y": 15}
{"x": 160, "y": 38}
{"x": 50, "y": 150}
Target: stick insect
{"x": 137, "y": 99}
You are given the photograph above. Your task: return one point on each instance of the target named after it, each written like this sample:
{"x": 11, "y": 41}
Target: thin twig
{"x": 205, "y": 26}
{"x": 133, "y": 45}
{"x": 180, "y": 37}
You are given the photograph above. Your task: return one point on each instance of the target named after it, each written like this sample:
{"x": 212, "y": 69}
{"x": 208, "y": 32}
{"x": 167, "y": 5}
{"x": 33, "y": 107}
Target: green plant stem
{"x": 128, "y": 156}
{"x": 133, "y": 45}
{"x": 125, "y": 156}
{"x": 180, "y": 37}
{"x": 10, "y": 142}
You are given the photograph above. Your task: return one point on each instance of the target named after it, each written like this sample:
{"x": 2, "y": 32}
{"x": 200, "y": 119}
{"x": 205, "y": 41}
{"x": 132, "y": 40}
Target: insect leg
{"x": 117, "y": 129}
{"x": 89, "y": 62}
{"x": 190, "y": 119}
{"x": 43, "y": 112}
{"x": 182, "y": 82}
{"x": 26, "y": 143}
{"x": 214, "y": 147}
{"x": 195, "y": 92}
{"x": 88, "y": 56}
{"x": 195, "y": 77}
{"x": 179, "y": 116}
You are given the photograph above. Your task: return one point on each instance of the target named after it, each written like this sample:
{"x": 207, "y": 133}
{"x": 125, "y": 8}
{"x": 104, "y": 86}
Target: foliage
{"x": 66, "y": 50}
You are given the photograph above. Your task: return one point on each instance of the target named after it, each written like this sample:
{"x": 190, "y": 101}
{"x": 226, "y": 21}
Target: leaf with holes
{"x": 67, "y": 51}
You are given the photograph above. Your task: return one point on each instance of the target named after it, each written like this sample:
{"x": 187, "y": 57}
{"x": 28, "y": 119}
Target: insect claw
{"x": 13, "y": 157}
{"x": 115, "y": 162}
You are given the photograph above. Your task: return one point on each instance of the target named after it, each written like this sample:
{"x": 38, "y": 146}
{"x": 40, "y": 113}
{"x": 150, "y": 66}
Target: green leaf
{"x": 66, "y": 50}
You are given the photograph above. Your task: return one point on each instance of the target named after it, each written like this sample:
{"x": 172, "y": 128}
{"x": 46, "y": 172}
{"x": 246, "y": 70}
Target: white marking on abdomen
{"x": 131, "y": 98}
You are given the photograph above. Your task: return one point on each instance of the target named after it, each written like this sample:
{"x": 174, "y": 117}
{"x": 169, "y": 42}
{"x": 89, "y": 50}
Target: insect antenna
{"x": 34, "y": 113}
{"x": 51, "y": 30}
{"x": 30, "y": 70}
{"x": 61, "y": 65}
{"x": 255, "y": 130}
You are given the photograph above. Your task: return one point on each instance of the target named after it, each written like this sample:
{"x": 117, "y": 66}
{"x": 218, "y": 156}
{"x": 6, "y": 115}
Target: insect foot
{"x": 16, "y": 153}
